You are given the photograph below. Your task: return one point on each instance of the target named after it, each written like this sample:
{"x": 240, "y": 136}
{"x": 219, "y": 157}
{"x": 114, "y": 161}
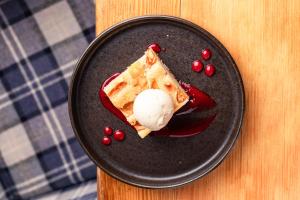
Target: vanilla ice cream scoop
{"x": 153, "y": 108}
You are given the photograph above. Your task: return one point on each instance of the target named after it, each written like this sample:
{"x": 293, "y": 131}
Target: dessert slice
{"x": 148, "y": 72}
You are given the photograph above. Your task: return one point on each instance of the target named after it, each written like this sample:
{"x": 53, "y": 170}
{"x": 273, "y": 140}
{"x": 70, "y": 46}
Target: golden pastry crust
{"x": 148, "y": 72}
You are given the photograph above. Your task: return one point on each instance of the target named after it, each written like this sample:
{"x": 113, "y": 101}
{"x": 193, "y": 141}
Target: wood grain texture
{"x": 263, "y": 38}
{"x": 109, "y": 12}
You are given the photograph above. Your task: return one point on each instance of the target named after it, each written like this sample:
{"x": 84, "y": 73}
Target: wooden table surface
{"x": 263, "y": 36}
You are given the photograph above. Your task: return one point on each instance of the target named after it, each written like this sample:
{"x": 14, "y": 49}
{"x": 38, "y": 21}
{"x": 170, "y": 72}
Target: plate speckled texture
{"x": 156, "y": 162}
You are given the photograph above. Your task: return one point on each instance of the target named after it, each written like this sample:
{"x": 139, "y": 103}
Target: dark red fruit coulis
{"x": 182, "y": 123}
{"x": 107, "y": 103}
{"x": 197, "y": 66}
{"x": 106, "y": 140}
{"x": 155, "y": 47}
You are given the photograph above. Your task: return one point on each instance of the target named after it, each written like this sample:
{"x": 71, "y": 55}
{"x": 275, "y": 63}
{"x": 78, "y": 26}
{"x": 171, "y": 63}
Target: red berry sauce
{"x": 119, "y": 135}
{"x": 197, "y": 66}
{"x": 155, "y": 47}
{"x": 182, "y": 123}
{"x": 198, "y": 100}
{"x": 206, "y": 54}
{"x": 107, "y": 103}
{"x": 210, "y": 70}
{"x": 106, "y": 140}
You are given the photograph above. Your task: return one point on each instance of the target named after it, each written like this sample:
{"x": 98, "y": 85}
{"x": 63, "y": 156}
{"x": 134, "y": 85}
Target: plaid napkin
{"x": 40, "y": 42}
{"x": 84, "y": 191}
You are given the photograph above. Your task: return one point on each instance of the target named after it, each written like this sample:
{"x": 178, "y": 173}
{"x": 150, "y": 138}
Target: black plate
{"x": 156, "y": 162}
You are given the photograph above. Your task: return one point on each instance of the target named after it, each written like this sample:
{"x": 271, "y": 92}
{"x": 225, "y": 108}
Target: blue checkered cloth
{"x": 40, "y": 42}
{"x": 85, "y": 191}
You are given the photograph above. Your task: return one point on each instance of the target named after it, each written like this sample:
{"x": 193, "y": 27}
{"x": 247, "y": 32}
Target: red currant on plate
{"x": 108, "y": 130}
{"x": 106, "y": 140}
{"x": 119, "y": 135}
{"x": 206, "y": 54}
{"x": 197, "y": 66}
{"x": 210, "y": 70}
{"x": 155, "y": 47}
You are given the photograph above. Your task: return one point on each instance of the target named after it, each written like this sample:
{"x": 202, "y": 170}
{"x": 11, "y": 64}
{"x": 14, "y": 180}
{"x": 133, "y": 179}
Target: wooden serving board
{"x": 263, "y": 36}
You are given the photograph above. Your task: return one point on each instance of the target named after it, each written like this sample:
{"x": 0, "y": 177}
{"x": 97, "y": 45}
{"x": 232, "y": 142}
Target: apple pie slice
{"x": 148, "y": 72}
